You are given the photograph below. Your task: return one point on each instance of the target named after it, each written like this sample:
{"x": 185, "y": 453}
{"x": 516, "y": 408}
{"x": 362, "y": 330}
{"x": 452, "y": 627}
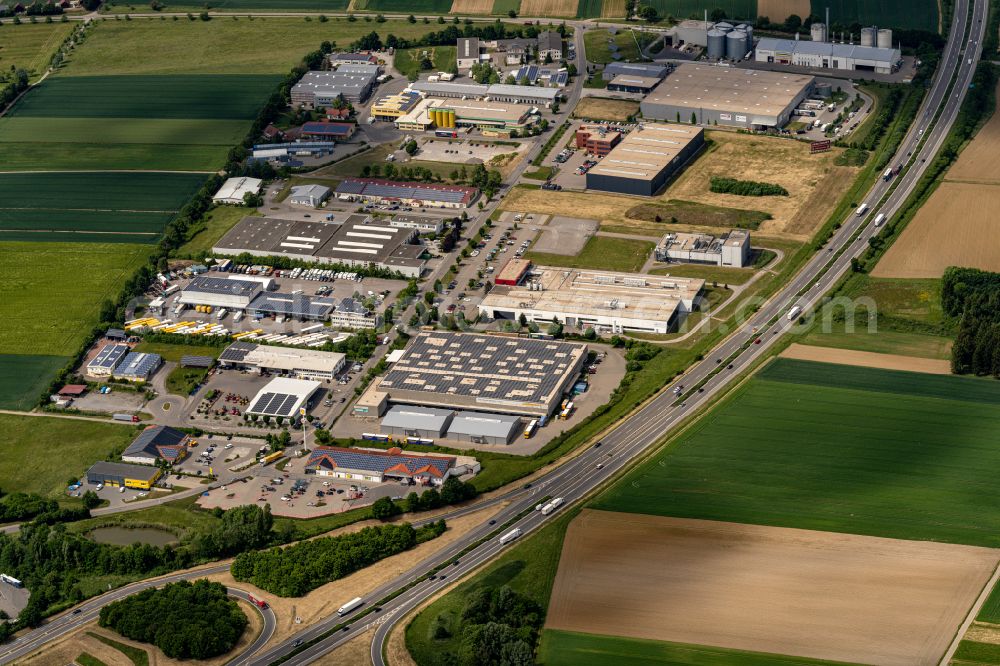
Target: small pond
{"x": 124, "y": 536}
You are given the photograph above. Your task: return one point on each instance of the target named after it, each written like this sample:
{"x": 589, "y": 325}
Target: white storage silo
{"x": 818, "y": 32}
{"x": 884, "y": 39}
{"x": 867, "y": 36}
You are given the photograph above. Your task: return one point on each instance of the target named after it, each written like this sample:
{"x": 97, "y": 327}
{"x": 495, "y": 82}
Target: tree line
{"x": 746, "y": 188}
{"x": 186, "y": 620}
{"x": 298, "y": 569}
{"x": 498, "y": 626}
{"x": 973, "y": 296}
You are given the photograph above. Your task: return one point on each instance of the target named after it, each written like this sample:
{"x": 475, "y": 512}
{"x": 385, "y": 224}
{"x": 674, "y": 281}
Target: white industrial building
{"x": 220, "y": 292}
{"x": 352, "y": 313}
{"x": 582, "y": 298}
{"x": 234, "y": 189}
{"x": 423, "y": 224}
{"x": 309, "y": 195}
{"x": 283, "y": 397}
{"x": 301, "y": 363}
{"x": 107, "y": 360}
{"x": 827, "y": 55}
{"x": 483, "y": 428}
{"x": 731, "y": 249}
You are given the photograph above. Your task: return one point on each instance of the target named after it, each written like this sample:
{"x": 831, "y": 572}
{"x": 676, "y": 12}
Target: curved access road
{"x": 717, "y": 373}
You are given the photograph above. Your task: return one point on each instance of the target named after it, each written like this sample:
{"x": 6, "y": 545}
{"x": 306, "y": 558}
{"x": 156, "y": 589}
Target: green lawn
{"x": 219, "y": 46}
{"x": 30, "y": 45}
{"x": 598, "y": 46}
{"x": 528, "y": 567}
{"x": 192, "y": 96}
{"x": 601, "y": 252}
{"x": 875, "y": 452}
{"x": 23, "y": 378}
{"x": 87, "y": 659}
{"x": 916, "y": 14}
{"x": 408, "y": 60}
{"x": 569, "y": 648}
{"x": 50, "y": 292}
{"x": 212, "y": 227}
{"x": 181, "y": 516}
{"x": 720, "y": 274}
{"x": 42, "y": 453}
{"x": 174, "y": 353}
{"x": 883, "y": 342}
{"x": 503, "y": 7}
{"x": 137, "y": 656}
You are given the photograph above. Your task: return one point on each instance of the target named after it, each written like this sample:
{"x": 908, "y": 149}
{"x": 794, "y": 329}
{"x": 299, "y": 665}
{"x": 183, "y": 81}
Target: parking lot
{"x": 463, "y": 151}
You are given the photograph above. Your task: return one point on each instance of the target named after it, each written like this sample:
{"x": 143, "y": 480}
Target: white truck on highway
{"x": 879, "y": 219}
{"x": 510, "y": 536}
{"x": 862, "y": 209}
{"x": 350, "y": 605}
{"x": 552, "y": 506}
{"x": 794, "y": 312}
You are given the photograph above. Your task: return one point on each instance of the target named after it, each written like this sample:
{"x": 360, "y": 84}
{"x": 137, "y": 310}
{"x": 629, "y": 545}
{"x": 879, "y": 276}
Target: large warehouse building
{"x": 439, "y": 113}
{"x": 140, "y": 477}
{"x": 497, "y": 92}
{"x": 729, "y": 96}
{"x": 465, "y": 371}
{"x": 826, "y": 55}
{"x": 580, "y": 298}
{"x": 221, "y": 292}
{"x": 376, "y": 190}
{"x": 321, "y": 89}
{"x": 731, "y": 249}
{"x": 645, "y": 159}
{"x": 234, "y": 189}
{"x": 300, "y": 363}
{"x": 357, "y": 242}
{"x": 157, "y": 443}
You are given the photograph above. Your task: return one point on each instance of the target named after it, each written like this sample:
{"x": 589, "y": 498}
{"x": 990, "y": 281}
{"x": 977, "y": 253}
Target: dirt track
{"x": 784, "y": 591}
{"x": 956, "y": 227}
{"x": 867, "y": 359}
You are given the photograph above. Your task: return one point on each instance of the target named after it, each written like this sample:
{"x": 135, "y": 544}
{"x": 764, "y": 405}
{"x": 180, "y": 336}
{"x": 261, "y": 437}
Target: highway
{"x": 634, "y": 436}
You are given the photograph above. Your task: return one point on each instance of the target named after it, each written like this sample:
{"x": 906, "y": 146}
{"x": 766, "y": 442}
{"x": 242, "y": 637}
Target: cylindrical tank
{"x": 716, "y": 44}
{"x": 723, "y": 26}
{"x": 884, "y": 39}
{"x": 736, "y": 45}
{"x": 867, "y": 36}
{"x": 818, "y": 32}
{"x": 450, "y": 118}
{"x": 742, "y": 26}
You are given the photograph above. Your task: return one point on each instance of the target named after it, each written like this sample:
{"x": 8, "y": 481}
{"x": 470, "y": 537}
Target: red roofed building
{"x": 379, "y": 466}
{"x": 73, "y": 390}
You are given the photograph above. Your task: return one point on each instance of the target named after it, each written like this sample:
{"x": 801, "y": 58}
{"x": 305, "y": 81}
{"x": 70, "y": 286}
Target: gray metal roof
{"x": 109, "y": 356}
{"x": 635, "y": 68}
{"x": 549, "y": 40}
{"x": 830, "y": 49}
{"x": 525, "y": 92}
{"x": 153, "y": 437}
{"x": 484, "y": 425}
{"x": 213, "y": 285}
{"x": 352, "y": 305}
{"x": 313, "y": 191}
{"x": 295, "y": 305}
{"x": 416, "y": 418}
{"x": 137, "y": 364}
{"x": 444, "y": 87}
{"x": 331, "y": 83}
{"x": 358, "y": 69}
{"x": 125, "y": 470}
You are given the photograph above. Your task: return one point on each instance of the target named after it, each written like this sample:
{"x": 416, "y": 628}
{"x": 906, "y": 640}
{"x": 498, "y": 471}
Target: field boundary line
{"x": 970, "y": 618}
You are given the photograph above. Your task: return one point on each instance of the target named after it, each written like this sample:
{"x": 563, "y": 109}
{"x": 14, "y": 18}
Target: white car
{"x": 326, "y": 483}
{"x": 100, "y": 486}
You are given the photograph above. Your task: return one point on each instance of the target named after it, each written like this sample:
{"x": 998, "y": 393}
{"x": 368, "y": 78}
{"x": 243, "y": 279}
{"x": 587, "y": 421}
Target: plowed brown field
{"x": 768, "y": 589}
{"x": 779, "y": 10}
{"x": 548, "y": 8}
{"x": 865, "y": 359}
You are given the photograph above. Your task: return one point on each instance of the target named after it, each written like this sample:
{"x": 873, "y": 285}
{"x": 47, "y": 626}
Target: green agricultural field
{"x": 589, "y": 9}
{"x": 23, "y": 378}
{"x": 603, "y": 253}
{"x": 176, "y": 132}
{"x": 242, "y": 5}
{"x": 42, "y": 156}
{"x": 50, "y": 292}
{"x": 503, "y": 7}
{"x": 404, "y": 6}
{"x": 917, "y": 14}
{"x": 682, "y": 9}
{"x": 30, "y": 45}
{"x": 204, "y": 96}
{"x": 865, "y": 451}
{"x": 70, "y": 446}
{"x": 408, "y": 60}
{"x": 220, "y": 46}
{"x": 569, "y": 648}
{"x": 109, "y": 191}
{"x": 38, "y": 220}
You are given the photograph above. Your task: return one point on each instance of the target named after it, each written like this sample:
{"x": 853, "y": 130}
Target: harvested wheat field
{"x": 978, "y": 162}
{"x": 813, "y": 182}
{"x": 547, "y": 8}
{"x": 956, "y": 227}
{"x": 767, "y": 589}
{"x": 779, "y": 10}
{"x": 865, "y": 359}
{"x": 613, "y": 9}
{"x": 471, "y": 6}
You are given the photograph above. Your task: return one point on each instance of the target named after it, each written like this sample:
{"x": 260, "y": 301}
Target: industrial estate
{"x": 506, "y": 333}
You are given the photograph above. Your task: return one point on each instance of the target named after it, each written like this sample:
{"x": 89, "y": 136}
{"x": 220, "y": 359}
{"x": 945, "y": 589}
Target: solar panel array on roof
{"x": 274, "y": 404}
{"x": 373, "y": 461}
{"x": 137, "y": 365}
{"x": 109, "y": 356}
{"x": 237, "y": 352}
